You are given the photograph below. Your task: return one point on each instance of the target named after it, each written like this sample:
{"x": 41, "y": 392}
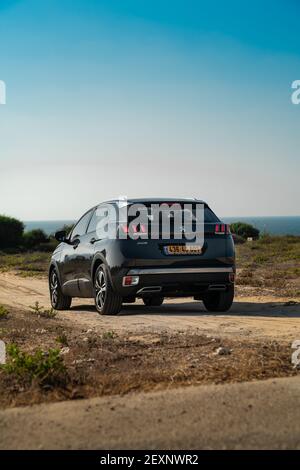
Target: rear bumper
{"x": 178, "y": 282}
{"x": 165, "y": 271}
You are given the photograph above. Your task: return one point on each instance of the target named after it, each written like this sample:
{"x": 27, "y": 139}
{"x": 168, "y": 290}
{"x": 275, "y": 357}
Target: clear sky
{"x": 149, "y": 98}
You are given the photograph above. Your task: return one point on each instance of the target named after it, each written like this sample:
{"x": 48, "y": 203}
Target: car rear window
{"x": 209, "y": 215}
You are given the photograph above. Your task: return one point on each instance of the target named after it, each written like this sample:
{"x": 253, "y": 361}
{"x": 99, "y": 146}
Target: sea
{"x": 274, "y": 225}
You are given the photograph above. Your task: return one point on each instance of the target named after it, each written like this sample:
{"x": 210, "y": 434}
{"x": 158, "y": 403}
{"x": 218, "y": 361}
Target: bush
{"x": 47, "y": 367}
{"x": 244, "y": 230}
{"x": 34, "y": 238}
{"x": 62, "y": 339}
{"x": 11, "y": 232}
{"x": 109, "y": 335}
{"x": 3, "y": 312}
{"x": 238, "y": 239}
{"x": 47, "y": 247}
{"x": 43, "y": 312}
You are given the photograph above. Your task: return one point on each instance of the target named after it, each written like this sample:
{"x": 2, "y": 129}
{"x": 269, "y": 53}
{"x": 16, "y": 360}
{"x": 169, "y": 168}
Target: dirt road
{"x": 251, "y": 317}
{"x": 257, "y": 415}
{"x": 261, "y": 414}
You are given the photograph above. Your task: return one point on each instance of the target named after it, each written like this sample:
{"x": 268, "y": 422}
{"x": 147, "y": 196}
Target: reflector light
{"x": 125, "y": 228}
{"x": 130, "y": 281}
{"x": 135, "y": 229}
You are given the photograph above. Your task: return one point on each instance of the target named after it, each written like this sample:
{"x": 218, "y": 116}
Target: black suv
{"x": 120, "y": 269}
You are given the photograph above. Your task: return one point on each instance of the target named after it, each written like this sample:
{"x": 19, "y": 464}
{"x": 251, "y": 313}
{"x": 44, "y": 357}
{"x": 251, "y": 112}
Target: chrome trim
{"x": 217, "y": 287}
{"x": 149, "y": 289}
{"x": 134, "y": 272}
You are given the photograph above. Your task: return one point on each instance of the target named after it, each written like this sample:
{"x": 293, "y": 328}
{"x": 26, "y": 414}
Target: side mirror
{"x": 61, "y": 236}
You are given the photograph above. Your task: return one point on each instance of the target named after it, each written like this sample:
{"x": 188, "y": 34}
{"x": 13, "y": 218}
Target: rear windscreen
{"x": 190, "y": 208}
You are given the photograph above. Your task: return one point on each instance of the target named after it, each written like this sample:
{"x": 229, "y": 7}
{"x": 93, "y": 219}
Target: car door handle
{"x": 93, "y": 240}
{"x": 76, "y": 243}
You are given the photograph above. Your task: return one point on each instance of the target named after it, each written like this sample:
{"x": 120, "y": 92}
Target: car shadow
{"x": 194, "y": 308}
{"x": 255, "y": 309}
{"x": 83, "y": 308}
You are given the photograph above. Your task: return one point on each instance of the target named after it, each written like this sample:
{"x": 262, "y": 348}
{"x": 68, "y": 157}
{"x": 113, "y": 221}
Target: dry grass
{"x": 107, "y": 363}
{"x": 272, "y": 263}
{"x": 25, "y": 264}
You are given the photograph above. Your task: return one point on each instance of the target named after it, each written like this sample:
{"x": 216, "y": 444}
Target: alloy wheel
{"x": 100, "y": 287}
{"x": 54, "y": 288}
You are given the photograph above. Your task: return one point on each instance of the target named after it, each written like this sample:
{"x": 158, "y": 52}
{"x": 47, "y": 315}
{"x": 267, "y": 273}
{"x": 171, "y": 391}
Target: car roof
{"x": 156, "y": 199}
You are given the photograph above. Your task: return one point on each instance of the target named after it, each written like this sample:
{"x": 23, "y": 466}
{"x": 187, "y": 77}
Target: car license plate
{"x": 183, "y": 250}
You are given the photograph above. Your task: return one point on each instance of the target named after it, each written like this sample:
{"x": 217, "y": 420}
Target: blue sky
{"x": 149, "y": 98}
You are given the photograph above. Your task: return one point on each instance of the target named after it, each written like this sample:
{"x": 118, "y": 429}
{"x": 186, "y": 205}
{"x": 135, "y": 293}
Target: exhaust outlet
{"x": 149, "y": 290}
{"x": 217, "y": 287}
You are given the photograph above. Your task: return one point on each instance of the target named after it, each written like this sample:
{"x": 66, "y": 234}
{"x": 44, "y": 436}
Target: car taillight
{"x": 222, "y": 229}
{"x": 124, "y": 228}
{"x": 135, "y": 229}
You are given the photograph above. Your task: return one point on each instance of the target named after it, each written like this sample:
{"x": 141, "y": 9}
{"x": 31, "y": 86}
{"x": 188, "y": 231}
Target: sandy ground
{"x": 262, "y": 414}
{"x": 257, "y": 415}
{"x": 252, "y": 317}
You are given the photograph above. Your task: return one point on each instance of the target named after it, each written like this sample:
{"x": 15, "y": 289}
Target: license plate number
{"x": 183, "y": 250}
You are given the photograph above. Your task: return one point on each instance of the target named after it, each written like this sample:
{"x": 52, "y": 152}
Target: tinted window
{"x": 210, "y": 216}
{"x": 80, "y": 227}
{"x": 100, "y": 213}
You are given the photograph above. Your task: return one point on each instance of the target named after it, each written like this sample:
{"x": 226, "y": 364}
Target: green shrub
{"x": 109, "y": 335}
{"x": 238, "y": 239}
{"x": 43, "y": 312}
{"x": 47, "y": 367}
{"x": 47, "y": 247}
{"x": 11, "y": 232}
{"x": 244, "y": 230}
{"x": 3, "y": 312}
{"x": 34, "y": 238}
{"x": 62, "y": 339}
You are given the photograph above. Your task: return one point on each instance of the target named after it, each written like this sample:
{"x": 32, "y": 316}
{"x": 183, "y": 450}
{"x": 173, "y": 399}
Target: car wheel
{"x": 107, "y": 301}
{"x": 59, "y": 301}
{"x": 219, "y": 301}
{"x": 153, "y": 301}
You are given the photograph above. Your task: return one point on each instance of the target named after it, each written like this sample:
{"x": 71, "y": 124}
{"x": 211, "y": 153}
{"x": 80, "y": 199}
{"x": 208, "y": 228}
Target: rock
{"x": 64, "y": 351}
{"x": 223, "y": 351}
{"x": 77, "y": 361}
{"x": 41, "y": 331}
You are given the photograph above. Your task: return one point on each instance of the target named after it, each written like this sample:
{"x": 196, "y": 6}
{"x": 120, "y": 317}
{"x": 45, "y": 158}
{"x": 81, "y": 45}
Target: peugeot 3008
{"x": 116, "y": 270}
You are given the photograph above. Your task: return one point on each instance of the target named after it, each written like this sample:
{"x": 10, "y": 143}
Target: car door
{"x": 85, "y": 254}
{"x": 92, "y": 241}
{"x": 74, "y": 256}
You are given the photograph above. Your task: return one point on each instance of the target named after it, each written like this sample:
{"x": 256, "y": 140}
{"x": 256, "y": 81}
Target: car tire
{"x": 153, "y": 301}
{"x": 107, "y": 301}
{"x": 219, "y": 301}
{"x": 59, "y": 301}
